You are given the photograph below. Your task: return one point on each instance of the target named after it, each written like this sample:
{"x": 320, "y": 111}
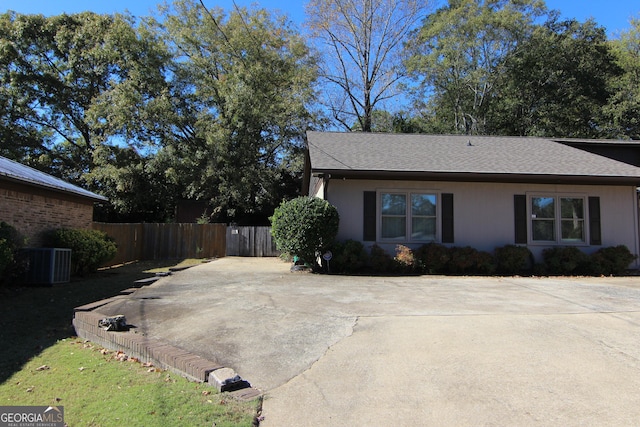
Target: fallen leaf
{"x": 42, "y": 368}
{"x": 206, "y": 393}
{"x": 104, "y": 351}
{"x": 147, "y": 365}
{"x": 30, "y": 389}
{"x": 81, "y": 368}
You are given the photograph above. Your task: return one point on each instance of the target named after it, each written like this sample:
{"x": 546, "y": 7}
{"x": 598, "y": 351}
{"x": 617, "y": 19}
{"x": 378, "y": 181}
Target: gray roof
{"x": 452, "y": 156}
{"x": 15, "y": 171}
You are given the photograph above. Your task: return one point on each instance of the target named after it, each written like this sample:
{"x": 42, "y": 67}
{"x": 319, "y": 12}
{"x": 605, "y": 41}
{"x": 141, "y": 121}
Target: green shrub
{"x": 462, "y": 260}
{"x": 6, "y": 256}
{"x": 512, "y": 259}
{"x": 468, "y": 260}
{"x": 348, "y": 257}
{"x": 10, "y": 244}
{"x": 304, "y": 227}
{"x": 89, "y": 248}
{"x": 380, "y": 261}
{"x": 611, "y": 260}
{"x": 432, "y": 258}
{"x": 565, "y": 260}
{"x": 485, "y": 263}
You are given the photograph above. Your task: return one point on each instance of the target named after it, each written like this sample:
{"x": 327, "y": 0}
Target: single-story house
{"x": 33, "y": 201}
{"x": 478, "y": 191}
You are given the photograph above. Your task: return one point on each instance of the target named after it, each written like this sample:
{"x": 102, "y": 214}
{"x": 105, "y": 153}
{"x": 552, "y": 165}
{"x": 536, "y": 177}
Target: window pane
{"x": 543, "y": 230}
{"x": 572, "y": 208}
{"x": 393, "y": 227}
{"x": 573, "y": 230}
{"x": 543, "y": 207}
{"x": 394, "y": 204}
{"x": 423, "y": 204}
{"x": 423, "y": 228}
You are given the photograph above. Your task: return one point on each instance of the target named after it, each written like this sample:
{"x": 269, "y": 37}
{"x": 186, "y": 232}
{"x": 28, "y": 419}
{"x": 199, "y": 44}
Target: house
{"x": 479, "y": 191}
{"x": 32, "y": 201}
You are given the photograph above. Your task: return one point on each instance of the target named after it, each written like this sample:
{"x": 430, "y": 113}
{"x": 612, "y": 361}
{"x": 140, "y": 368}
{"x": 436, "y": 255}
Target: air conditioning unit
{"x": 48, "y": 265}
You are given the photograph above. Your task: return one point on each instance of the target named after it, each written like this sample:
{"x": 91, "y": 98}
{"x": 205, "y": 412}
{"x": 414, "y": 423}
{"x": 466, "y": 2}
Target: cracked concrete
{"x": 407, "y": 351}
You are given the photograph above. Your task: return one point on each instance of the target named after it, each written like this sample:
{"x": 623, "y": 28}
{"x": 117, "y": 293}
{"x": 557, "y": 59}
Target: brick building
{"x": 33, "y": 201}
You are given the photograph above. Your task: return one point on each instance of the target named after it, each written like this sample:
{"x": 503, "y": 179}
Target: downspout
{"x": 306, "y": 173}
{"x": 325, "y": 186}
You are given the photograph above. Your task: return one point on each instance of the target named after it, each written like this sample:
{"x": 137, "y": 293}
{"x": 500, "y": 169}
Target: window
{"x": 408, "y": 214}
{"x": 558, "y": 219}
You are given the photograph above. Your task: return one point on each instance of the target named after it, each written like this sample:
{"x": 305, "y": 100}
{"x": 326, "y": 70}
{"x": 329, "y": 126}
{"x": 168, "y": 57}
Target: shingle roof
{"x": 458, "y": 154}
{"x": 17, "y": 172}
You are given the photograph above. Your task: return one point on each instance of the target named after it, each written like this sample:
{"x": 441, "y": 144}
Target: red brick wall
{"x": 33, "y": 210}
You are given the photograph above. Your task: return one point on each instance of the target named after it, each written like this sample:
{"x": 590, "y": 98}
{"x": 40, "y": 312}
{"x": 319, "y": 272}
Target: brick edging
{"x": 161, "y": 354}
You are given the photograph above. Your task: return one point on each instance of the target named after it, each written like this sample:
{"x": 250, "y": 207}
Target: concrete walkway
{"x": 407, "y": 351}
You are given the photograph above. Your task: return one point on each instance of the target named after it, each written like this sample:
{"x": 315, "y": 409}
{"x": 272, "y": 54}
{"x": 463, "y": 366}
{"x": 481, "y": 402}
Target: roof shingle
{"x": 458, "y": 154}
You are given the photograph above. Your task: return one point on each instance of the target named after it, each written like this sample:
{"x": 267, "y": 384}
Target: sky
{"x": 614, "y": 15}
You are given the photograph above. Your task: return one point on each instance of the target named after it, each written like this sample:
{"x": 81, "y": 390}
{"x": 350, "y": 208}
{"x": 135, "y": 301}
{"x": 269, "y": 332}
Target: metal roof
{"x": 15, "y": 171}
{"x": 484, "y": 157}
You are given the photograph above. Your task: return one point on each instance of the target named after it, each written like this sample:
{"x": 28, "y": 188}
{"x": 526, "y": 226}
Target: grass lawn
{"x": 42, "y": 363}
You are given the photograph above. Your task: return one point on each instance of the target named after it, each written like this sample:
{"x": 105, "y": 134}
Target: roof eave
{"x": 94, "y": 197}
{"x": 478, "y": 177}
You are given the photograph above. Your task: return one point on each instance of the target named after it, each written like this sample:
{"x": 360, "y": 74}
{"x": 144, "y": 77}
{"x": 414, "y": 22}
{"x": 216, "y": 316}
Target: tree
{"x": 362, "y": 41}
{"x": 305, "y": 227}
{"x": 241, "y": 85}
{"x": 72, "y": 83}
{"x": 457, "y": 56}
{"x": 623, "y": 109}
{"x": 557, "y": 83}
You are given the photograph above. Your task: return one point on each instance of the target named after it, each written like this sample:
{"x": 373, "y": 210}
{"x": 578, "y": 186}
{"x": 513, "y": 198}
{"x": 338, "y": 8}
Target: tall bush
{"x": 89, "y": 248}
{"x": 305, "y": 227}
{"x": 10, "y": 243}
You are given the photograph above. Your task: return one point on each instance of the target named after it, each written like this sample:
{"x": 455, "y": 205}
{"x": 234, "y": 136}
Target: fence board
{"x": 128, "y": 237}
{"x": 165, "y": 241}
{"x": 250, "y": 241}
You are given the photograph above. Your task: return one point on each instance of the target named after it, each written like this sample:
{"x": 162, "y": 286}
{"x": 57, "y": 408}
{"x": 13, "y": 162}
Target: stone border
{"x": 161, "y": 354}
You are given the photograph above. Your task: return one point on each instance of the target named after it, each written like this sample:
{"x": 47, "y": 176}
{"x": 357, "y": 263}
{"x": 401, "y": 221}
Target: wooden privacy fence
{"x": 250, "y": 241}
{"x": 165, "y": 241}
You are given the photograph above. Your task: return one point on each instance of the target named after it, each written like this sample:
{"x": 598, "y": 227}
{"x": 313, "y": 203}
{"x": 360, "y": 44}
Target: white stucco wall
{"x": 484, "y": 212}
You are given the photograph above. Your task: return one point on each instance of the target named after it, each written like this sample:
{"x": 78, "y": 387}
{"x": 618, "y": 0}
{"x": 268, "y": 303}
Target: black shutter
{"x": 595, "y": 231}
{"x": 520, "y": 215}
{"x": 447, "y": 218}
{"x": 369, "y": 217}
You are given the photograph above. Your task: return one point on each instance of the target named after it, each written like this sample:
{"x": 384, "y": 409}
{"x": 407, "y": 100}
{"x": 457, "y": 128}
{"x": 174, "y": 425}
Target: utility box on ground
{"x": 48, "y": 266}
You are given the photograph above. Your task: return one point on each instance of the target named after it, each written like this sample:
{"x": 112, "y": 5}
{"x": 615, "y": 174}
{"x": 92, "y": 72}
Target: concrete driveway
{"x": 408, "y": 351}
